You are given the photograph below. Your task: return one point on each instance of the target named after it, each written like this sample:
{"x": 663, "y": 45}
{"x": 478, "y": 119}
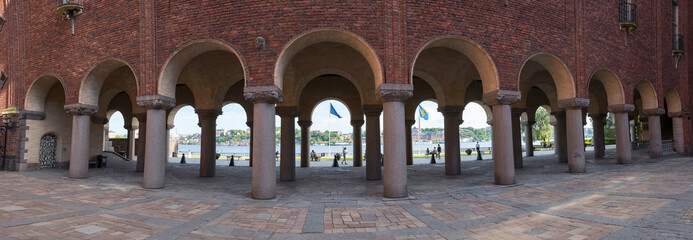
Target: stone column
{"x": 264, "y": 99}
{"x": 208, "y": 141}
{"x": 106, "y": 139}
{"x": 677, "y": 127}
{"x": 503, "y": 158}
{"x": 169, "y": 153}
{"x": 655, "y": 129}
{"x": 287, "y": 162}
{"x": 155, "y": 165}
{"x": 305, "y": 143}
{"x": 394, "y": 139}
{"x": 517, "y": 138}
{"x": 452, "y": 117}
{"x": 358, "y": 152}
{"x": 250, "y": 155}
{"x": 131, "y": 141}
{"x": 574, "y": 132}
{"x": 623, "y": 144}
{"x": 529, "y": 139}
{"x": 373, "y": 166}
{"x": 79, "y": 151}
{"x": 555, "y": 134}
{"x": 560, "y": 137}
{"x": 141, "y": 144}
{"x": 598, "y": 122}
{"x": 410, "y": 155}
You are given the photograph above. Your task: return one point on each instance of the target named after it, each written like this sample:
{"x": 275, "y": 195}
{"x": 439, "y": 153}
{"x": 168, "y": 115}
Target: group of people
{"x": 436, "y": 151}
{"x": 314, "y": 156}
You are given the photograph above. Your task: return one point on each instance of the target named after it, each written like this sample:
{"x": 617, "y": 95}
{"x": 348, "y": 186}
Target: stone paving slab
{"x": 649, "y": 199}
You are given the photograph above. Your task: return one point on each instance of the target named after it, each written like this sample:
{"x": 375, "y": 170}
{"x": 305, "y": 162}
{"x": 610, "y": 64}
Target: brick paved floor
{"x": 649, "y": 199}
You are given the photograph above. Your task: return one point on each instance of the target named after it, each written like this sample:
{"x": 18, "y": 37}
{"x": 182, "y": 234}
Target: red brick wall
{"x": 144, "y": 33}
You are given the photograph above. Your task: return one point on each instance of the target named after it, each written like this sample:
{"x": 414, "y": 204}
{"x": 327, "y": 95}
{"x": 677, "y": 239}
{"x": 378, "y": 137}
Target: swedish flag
{"x": 423, "y": 113}
{"x": 334, "y": 111}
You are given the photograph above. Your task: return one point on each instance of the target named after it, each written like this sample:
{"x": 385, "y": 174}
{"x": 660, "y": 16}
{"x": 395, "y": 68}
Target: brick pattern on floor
{"x": 613, "y": 206}
{"x": 648, "y": 199}
{"x": 100, "y": 226}
{"x": 542, "y": 226}
{"x": 533, "y": 196}
{"x": 13, "y": 210}
{"x": 102, "y": 198}
{"x": 467, "y": 209}
{"x": 388, "y": 218}
{"x": 265, "y": 219}
{"x": 171, "y": 209}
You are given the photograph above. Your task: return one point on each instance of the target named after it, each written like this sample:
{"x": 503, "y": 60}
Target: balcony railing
{"x": 627, "y": 16}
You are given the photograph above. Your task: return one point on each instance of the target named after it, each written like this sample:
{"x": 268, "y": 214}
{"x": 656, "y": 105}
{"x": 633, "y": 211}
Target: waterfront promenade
{"x": 649, "y": 199}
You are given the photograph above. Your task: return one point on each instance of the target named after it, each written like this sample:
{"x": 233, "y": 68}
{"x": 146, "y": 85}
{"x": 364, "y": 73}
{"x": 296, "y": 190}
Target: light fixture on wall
{"x": 677, "y": 48}
{"x": 3, "y": 79}
{"x": 2, "y": 22}
{"x": 627, "y": 18}
{"x": 69, "y": 9}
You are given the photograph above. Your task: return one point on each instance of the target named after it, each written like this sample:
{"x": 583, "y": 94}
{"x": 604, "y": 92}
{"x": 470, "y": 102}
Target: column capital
{"x": 409, "y": 123}
{"x": 451, "y": 111}
{"x": 357, "y": 123}
{"x": 501, "y": 97}
{"x": 305, "y": 124}
{"x": 263, "y": 94}
{"x": 99, "y": 120}
{"x": 130, "y": 127}
{"x": 675, "y": 114}
{"x": 287, "y": 111}
{"x": 81, "y": 109}
{"x": 32, "y": 115}
{"x": 170, "y": 126}
{"x": 489, "y": 122}
{"x": 213, "y": 113}
{"x": 392, "y": 92}
{"x": 653, "y": 112}
{"x": 372, "y": 110}
{"x": 249, "y": 124}
{"x": 573, "y": 103}
{"x": 156, "y": 101}
{"x": 621, "y": 108}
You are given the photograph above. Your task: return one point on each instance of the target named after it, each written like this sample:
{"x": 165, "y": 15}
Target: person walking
{"x": 439, "y": 150}
{"x": 478, "y": 151}
{"x": 344, "y": 152}
{"x": 428, "y": 151}
{"x": 313, "y": 156}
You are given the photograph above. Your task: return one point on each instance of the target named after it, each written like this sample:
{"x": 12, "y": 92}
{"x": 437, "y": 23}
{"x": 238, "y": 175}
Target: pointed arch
{"x": 673, "y": 100}
{"x": 560, "y": 73}
{"x": 323, "y": 35}
{"x": 648, "y": 94}
{"x": 478, "y": 55}
{"x": 90, "y": 87}
{"x": 35, "y": 99}
{"x": 172, "y": 68}
{"x": 612, "y": 84}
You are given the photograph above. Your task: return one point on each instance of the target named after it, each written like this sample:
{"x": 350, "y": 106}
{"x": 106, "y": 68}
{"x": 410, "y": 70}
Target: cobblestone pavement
{"x": 649, "y": 199}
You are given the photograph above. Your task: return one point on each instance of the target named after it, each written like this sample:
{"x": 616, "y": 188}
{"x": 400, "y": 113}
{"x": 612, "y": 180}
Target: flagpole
{"x": 418, "y": 133}
{"x": 329, "y": 118}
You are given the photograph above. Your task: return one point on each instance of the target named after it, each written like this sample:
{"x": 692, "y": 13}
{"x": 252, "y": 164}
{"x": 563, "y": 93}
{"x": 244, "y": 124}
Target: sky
{"x": 234, "y": 117}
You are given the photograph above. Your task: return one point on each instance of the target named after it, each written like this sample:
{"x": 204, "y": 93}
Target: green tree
{"x": 609, "y": 128}
{"x": 542, "y": 129}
